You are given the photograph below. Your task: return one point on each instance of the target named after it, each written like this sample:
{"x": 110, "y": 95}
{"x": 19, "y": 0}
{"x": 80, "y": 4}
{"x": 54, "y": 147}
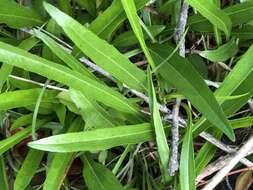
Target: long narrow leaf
{"x": 216, "y": 16}
{"x": 51, "y": 70}
{"x": 97, "y": 176}
{"x": 61, "y": 162}
{"x": 99, "y": 139}
{"x": 28, "y": 169}
{"x": 181, "y": 74}
{"x": 161, "y": 140}
{"x": 103, "y": 54}
{"x": 131, "y": 12}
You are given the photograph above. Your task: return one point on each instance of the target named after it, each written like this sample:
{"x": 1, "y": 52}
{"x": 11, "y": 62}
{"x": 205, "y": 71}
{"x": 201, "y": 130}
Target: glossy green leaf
{"x": 179, "y": 72}
{"x": 161, "y": 139}
{"x": 128, "y": 38}
{"x": 97, "y": 176}
{"x": 61, "y": 162}
{"x": 103, "y": 54}
{"x": 216, "y": 16}
{"x": 28, "y": 169}
{"x": 222, "y": 53}
{"x": 109, "y": 21}
{"x": 22, "y": 98}
{"x": 131, "y": 12}
{"x": 93, "y": 114}
{"x": 51, "y": 70}
{"x": 99, "y": 139}
{"x": 17, "y": 16}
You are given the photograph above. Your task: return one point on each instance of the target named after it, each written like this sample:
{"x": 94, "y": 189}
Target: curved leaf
{"x": 17, "y": 16}
{"x": 61, "y": 162}
{"x": 131, "y": 12}
{"x": 103, "y": 54}
{"x": 223, "y": 53}
{"x": 216, "y": 16}
{"x": 97, "y": 176}
{"x": 51, "y": 70}
{"x": 28, "y": 169}
{"x": 161, "y": 140}
{"x": 181, "y": 74}
{"x": 99, "y": 139}
{"x": 108, "y": 22}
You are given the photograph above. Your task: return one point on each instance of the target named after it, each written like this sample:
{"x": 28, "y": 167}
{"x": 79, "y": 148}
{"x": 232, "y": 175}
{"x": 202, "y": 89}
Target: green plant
{"x": 87, "y": 89}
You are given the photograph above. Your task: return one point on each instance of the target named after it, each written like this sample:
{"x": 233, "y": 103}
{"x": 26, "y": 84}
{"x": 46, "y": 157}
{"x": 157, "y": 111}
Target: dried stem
{"x": 173, "y": 166}
{"x": 243, "y": 151}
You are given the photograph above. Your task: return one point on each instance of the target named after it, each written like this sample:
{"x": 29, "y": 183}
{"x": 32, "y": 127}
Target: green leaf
{"x": 11, "y": 141}
{"x": 93, "y": 114}
{"x": 61, "y": 162}
{"x": 62, "y": 54}
{"x": 161, "y": 140}
{"x": 239, "y": 81}
{"x": 179, "y": 72}
{"x": 187, "y": 163}
{"x": 238, "y": 14}
{"x": 97, "y": 176}
{"x": 3, "y": 177}
{"x": 221, "y": 54}
{"x": 241, "y": 122}
{"x": 90, "y": 6}
{"x": 6, "y": 69}
{"x": 65, "y": 6}
{"x": 110, "y": 20}
{"x": 216, "y": 16}
{"x": 28, "y": 169}
{"x": 51, "y": 70}
{"x": 22, "y": 121}
{"x": 128, "y": 38}
{"x": 17, "y": 16}
{"x": 131, "y": 12}
{"x": 98, "y": 139}
{"x": 103, "y": 54}
{"x": 23, "y": 98}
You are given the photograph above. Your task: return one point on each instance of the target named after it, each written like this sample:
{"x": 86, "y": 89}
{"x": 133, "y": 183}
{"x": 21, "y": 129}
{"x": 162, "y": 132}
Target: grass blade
{"x": 187, "y": 163}
{"x": 161, "y": 140}
{"x": 131, "y": 12}
{"x": 28, "y": 169}
{"x": 3, "y": 177}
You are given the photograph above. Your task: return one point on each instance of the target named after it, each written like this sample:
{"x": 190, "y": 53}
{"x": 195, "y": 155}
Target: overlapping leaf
{"x": 103, "y": 54}
{"x": 181, "y": 74}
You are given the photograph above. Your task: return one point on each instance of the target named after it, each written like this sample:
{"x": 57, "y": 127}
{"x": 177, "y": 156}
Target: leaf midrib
{"x": 72, "y": 76}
